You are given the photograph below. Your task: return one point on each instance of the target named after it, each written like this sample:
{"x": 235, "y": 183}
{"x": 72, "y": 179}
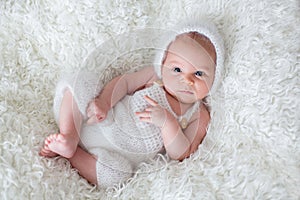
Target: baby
{"x": 105, "y": 132}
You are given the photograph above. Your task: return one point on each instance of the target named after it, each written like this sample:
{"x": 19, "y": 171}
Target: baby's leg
{"x": 70, "y": 120}
{"x": 105, "y": 170}
{"x": 85, "y": 163}
{"x": 111, "y": 167}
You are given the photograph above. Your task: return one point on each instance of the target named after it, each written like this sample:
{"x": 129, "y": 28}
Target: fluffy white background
{"x": 252, "y": 147}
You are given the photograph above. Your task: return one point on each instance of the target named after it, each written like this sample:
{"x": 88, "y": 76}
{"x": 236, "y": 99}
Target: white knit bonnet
{"x": 205, "y": 28}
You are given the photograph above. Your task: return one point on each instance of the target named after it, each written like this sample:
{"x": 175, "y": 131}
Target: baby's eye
{"x": 199, "y": 73}
{"x": 177, "y": 69}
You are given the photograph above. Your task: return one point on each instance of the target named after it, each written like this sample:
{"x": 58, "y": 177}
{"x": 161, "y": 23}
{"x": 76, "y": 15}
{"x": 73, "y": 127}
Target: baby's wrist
{"x": 170, "y": 122}
{"x": 103, "y": 101}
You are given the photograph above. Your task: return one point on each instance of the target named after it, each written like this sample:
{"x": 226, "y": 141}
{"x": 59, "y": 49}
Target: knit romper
{"x": 121, "y": 141}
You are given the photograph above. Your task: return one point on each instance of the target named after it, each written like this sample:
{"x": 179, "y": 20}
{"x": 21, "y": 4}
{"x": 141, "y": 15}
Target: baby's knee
{"x": 112, "y": 168}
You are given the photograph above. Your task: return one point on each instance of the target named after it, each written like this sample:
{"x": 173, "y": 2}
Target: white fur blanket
{"x": 252, "y": 149}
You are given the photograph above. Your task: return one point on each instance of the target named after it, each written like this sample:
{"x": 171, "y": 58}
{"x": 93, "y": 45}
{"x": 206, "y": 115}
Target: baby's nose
{"x": 188, "y": 79}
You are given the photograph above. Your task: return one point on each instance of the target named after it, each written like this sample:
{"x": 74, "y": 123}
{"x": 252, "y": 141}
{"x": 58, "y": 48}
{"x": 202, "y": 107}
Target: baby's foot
{"x": 47, "y": 152}
{"x": 60, "y": 144}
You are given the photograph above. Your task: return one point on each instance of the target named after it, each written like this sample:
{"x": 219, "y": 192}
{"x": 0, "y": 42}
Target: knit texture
{"x": 128, "y": 140}
{"x": 122, "y": 127}
{"x": 111, "y": 168}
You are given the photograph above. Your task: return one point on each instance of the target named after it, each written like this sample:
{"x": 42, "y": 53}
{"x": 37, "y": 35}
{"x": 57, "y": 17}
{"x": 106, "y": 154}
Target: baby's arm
{"x": 179, "y": 144}
{"x": 182, "y": 144}
{"x": 115, "y": 90}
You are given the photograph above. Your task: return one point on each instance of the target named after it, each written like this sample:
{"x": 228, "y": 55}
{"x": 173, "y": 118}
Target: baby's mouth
{"x": 188, "y": 92}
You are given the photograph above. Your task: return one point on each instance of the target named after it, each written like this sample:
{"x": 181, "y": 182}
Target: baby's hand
{"x": 154, "y": 114}
{"x": 97, "y": 111}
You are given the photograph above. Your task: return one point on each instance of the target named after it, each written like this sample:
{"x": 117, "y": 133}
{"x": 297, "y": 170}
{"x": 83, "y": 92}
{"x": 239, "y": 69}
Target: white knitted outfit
{"x": 121, "y": 141}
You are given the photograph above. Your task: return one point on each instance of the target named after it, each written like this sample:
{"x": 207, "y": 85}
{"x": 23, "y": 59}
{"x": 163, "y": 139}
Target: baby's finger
{"x": 149, "y": 109}
{"x": 95, "y": 118}
{"x": 90, "y": 109}
{"x": 143, "y": 114}
{"x": 146, "y": 119}
{"x": 100, "y": 116}
{"x": 90, "y": 113}
{"x": 150, "y": 101}
{"x": 92, "y": 120}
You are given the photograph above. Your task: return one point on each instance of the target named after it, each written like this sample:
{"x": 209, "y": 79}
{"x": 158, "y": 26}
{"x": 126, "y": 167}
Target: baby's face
{"x": 188, "y": 70}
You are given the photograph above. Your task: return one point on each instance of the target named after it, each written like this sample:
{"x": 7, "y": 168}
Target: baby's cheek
{"x": 202, "y": 90}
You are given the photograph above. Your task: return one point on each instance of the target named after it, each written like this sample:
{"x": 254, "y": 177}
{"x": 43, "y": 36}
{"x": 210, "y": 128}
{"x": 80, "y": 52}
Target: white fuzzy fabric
{"x": 252, "y": 147}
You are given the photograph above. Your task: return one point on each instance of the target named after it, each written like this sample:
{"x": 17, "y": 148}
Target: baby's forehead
{"x": 187, "y": 52}
{"x": 196, "y": 39}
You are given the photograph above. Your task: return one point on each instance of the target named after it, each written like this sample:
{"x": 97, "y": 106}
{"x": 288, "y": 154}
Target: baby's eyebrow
{"x": 201, "y": 68}
{"x": 174, "y": 61}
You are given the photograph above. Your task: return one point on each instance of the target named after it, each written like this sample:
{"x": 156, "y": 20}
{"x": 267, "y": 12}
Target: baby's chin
{"x": 185, "y": 100}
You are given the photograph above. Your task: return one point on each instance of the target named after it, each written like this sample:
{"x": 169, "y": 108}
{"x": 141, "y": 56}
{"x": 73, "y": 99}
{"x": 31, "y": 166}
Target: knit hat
{"x": 205, "y": 28}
